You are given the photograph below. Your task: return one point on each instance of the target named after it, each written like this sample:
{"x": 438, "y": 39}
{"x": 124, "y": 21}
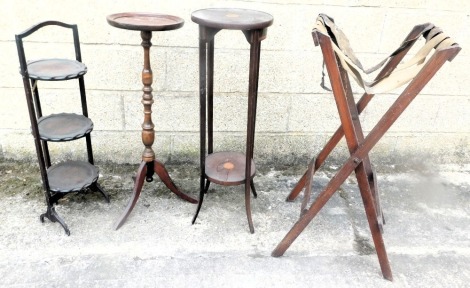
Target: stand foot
{"x": 201, "y": 199}
{"x": 248, "y": 212}
{"x": 52, "y": 215}
{"x": 253, "y": 189}
{"x": 138, "y": 183}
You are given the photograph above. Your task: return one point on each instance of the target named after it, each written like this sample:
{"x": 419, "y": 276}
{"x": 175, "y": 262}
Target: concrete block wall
{"x": 295, "y": 116}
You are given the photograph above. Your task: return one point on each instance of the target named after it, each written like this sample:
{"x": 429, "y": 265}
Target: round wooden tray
{"x": 71, "y": 176}
{"x": 227, "y": 168}
{"x": 232, "y": 18}
{"x": 145, "y": 21}
{"x": 55, "y": 69}
{"x": 64, "y": 127}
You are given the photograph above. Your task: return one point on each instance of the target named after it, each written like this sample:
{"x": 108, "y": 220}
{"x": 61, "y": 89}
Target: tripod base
{"x": 145, "y": 172}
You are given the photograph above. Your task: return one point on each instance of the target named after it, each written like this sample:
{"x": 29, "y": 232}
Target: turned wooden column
{"x": 148, "y": 132}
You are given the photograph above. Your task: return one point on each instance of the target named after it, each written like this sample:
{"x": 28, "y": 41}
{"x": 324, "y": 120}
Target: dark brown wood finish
{"x": 146, "y": 23}
{"x": 359, "y": 146}
{"x": 228, "y": 168}
{"x": 232, "y": 18}
{"x": 69, "y": 176}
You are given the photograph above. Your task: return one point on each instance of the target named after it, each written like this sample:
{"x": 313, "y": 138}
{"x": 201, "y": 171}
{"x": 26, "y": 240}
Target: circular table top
{"x": 145, "y": 21}
{"x": 232, "y": 18}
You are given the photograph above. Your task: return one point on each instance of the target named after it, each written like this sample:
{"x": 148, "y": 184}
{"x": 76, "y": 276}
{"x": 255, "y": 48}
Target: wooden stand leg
{"x": 138, "y": 183}
{"x": 201, "y": 199}
{"x": 374, "y": 224}
{"x": 203, "y": 58}
{"x": 160, "y": 170}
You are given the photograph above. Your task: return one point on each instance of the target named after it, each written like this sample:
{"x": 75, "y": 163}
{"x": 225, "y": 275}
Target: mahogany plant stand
{"x": 227, "y": 167}
{"x": 146, "y": 23}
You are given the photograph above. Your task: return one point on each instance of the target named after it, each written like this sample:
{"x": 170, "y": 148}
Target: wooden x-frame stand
{"x": 358, "y": 145}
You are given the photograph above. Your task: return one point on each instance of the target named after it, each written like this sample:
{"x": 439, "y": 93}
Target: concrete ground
{"x": 427, "y": 234}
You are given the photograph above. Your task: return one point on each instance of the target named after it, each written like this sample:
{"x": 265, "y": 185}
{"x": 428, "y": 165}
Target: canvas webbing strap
{"x": 403, "y": 73}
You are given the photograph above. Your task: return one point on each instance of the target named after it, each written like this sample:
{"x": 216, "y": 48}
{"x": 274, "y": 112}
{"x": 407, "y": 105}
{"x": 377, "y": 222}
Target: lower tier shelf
{"x": 227, "y": 168}
{"x": 71, "y": 176}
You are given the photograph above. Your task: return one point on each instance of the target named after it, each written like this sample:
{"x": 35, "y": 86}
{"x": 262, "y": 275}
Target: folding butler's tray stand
{"x": 146, "y": 23}
{"x": 228, "y": 168}
{"x": 340, "y": 61}
{"x": 68, "y": 176}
